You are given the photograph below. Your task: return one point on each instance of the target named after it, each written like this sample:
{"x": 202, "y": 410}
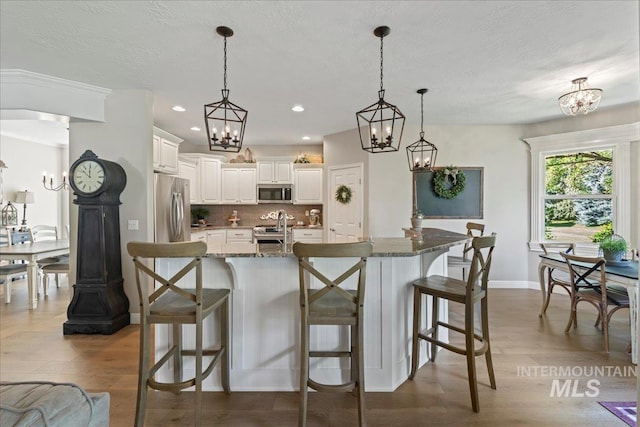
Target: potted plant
{"x": 613, "y": 247}
{"x": 199, "y": 214}
{"x": 416, "y": 220}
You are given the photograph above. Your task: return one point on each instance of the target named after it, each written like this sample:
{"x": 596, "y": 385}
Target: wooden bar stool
{"x": 464, "y": 262}
{"x": 175, "y": 305}
{"x": 469, "y": 293}
{"x": 332, "y": 305}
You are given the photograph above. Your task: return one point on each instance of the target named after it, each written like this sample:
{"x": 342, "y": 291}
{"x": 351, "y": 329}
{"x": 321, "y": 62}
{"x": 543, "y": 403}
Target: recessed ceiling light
{"x": 306, "y": 138}
{"x": 298, "y": 108}
{"x": 195, "y": 128}
{"x": 178, "y": 108}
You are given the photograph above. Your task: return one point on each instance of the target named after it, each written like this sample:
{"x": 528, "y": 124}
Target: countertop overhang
{"x": 432, "y": 239}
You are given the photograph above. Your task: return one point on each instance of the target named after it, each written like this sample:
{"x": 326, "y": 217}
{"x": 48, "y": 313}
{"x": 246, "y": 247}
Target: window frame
{"x": 616, "y": 138}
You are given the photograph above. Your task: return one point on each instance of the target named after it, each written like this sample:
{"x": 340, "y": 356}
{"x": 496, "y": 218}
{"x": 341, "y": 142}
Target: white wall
{"x": 344, "y": 148}
{"x": 125, "y": 138}
{"x": 26, "y": 160}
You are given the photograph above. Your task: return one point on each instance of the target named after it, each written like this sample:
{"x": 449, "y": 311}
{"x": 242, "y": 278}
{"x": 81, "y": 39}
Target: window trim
{"x": 617, "y": 138}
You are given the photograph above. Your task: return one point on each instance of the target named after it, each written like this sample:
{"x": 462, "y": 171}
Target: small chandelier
{"x": 581, "y": 99}
{"x": 225, "y": 121}
{"x": 380, "y": 124}
{"x": 49, "y": 185}
{"x": 421, "y": 154}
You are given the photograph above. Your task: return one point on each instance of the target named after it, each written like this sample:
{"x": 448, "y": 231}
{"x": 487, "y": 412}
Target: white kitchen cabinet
{"x": 307, "y": 235}
{"x": 165, "y": 151}
{"x": 189, "y": 170}
{"x": 307, "y": 184}
{"x": 275, "y": 172}
{"x": 199, "y": 236}
{"x": 216, "y": 236}
{"x": 209, "y": 181}
{"x": 239, "y": 185}
{"x": 239, "y": 235}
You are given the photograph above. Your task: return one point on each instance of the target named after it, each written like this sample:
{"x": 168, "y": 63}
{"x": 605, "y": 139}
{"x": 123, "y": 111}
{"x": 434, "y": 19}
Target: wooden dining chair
{"x": 473, "y": 230}
{"x": 9, "y": 270}
{"x": 56, "y": 265}
{"x": 331, "y": 304}
{"x": 175, "y": 305}
{"x": 468, "y": 293}
{"x": 588, "y": 283}
{"x": 556, "y": 277}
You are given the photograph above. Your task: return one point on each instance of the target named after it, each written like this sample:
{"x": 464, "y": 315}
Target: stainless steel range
{"x": 269, "y": 234}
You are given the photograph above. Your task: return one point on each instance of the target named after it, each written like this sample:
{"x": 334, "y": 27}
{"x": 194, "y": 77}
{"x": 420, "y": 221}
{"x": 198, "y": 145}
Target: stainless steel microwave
{"x": 274, "y": 193}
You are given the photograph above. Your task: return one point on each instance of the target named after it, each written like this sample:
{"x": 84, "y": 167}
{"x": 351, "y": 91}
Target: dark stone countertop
{"x": 433, "y": 239}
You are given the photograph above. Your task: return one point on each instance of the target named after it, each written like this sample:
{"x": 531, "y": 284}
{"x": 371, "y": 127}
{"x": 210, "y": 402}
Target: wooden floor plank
{"x": 33, "y": 348}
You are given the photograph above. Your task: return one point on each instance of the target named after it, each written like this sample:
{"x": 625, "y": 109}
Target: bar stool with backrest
{"x": 331, "y": 304}
{"x": 9, "y": 271}
{"x": 469, "y": 293}
{"x": 589, "y": 283}
{"x": 177, "y": 306}
{"x": 473, "y": 230}
{"x": 556, "y": 278}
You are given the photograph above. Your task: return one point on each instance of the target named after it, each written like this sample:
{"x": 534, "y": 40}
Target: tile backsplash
{"x": 250, "y": 214}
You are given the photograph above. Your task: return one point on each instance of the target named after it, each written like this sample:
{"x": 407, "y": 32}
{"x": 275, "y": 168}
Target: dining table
{"x": 623, "y": 273}
{"x": 31, "y": 253}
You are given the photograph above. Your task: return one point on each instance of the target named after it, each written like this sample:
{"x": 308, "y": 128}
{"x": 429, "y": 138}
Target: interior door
{"x": 345, "y": 220}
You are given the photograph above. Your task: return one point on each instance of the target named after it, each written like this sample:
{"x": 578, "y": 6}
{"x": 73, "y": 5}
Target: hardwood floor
{"x": 33, "y": 348}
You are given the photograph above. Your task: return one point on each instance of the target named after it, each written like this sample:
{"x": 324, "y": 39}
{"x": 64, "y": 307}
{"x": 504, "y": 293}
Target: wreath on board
{"x": 343, "y": 194}
{"x": 448, "y": 182}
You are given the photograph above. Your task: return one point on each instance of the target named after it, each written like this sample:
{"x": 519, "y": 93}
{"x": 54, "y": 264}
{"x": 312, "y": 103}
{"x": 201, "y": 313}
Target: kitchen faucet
{"x": 282, "y": 225}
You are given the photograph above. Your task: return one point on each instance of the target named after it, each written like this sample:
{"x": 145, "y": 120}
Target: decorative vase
{"x": 613, "y": 255}
{"x": 416, "y": 222}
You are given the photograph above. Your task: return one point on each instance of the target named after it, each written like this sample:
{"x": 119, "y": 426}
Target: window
{"x": 578, "y": 199}
{"x": 580, "y": 182}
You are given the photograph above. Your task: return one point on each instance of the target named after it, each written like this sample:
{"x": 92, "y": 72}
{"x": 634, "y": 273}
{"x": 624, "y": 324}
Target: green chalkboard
{"x": 466, "y": 205}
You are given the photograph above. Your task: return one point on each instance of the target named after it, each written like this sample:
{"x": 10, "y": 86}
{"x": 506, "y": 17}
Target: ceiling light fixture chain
{"x": 224, "y": 115}
{"x": 421, "y": 154}
{"x": 380, "y": 124}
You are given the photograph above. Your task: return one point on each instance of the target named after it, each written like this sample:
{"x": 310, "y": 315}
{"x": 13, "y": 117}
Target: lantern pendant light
{"x": 225, "y": 121}
{"x": 380, "y": 124}
{"x": 421, "y": 154}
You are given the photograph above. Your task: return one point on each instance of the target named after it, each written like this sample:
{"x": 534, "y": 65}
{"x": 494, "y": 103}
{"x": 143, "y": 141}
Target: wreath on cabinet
{"x": 343, "y": 194}
{"x": 448, "y": 182}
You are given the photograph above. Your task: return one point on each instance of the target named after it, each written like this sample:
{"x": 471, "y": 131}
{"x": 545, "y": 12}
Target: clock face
{"x": 88, "y": 177}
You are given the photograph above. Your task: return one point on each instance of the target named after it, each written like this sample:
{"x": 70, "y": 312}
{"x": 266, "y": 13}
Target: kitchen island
{"x": 265, "y": 312}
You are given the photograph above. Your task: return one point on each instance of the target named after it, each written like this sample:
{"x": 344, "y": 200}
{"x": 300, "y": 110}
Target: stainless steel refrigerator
{"x": 172, "y": 209}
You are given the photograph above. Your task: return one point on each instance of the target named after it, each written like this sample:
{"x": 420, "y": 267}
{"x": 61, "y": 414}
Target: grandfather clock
{"x": 99, "y": 304}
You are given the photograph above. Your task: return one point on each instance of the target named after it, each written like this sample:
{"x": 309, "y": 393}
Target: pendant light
{"x": 380, "y": 124}
{"x": 225, "y": 121}
{"x": 421, "y": 154}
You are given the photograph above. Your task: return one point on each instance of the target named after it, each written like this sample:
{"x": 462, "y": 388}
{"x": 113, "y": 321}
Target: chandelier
{"x": 381, "y": 124}
{"x": 581, "y": 99}
{"x": 225, "y": 121}
{"x": 421, "y": 154}
{"x": 49, "y": 185}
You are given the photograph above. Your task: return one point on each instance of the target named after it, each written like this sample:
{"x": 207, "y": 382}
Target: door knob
{"x": 333, "y": 229}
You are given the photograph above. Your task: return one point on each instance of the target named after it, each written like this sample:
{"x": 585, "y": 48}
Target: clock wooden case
{"x": 99, "y": 304}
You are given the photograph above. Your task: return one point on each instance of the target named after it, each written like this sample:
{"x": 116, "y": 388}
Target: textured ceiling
{"x": 484, "y": 62}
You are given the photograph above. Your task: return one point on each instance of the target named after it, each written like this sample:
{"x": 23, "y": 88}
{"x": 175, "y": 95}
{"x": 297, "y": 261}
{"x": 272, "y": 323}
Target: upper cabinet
{"x": 188, "y": 169}
{"x": 307, "y": 184}
{"x": 165, "y": 152}
{"x": 239, "y": 184}
{"x": 277, "y": 171}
